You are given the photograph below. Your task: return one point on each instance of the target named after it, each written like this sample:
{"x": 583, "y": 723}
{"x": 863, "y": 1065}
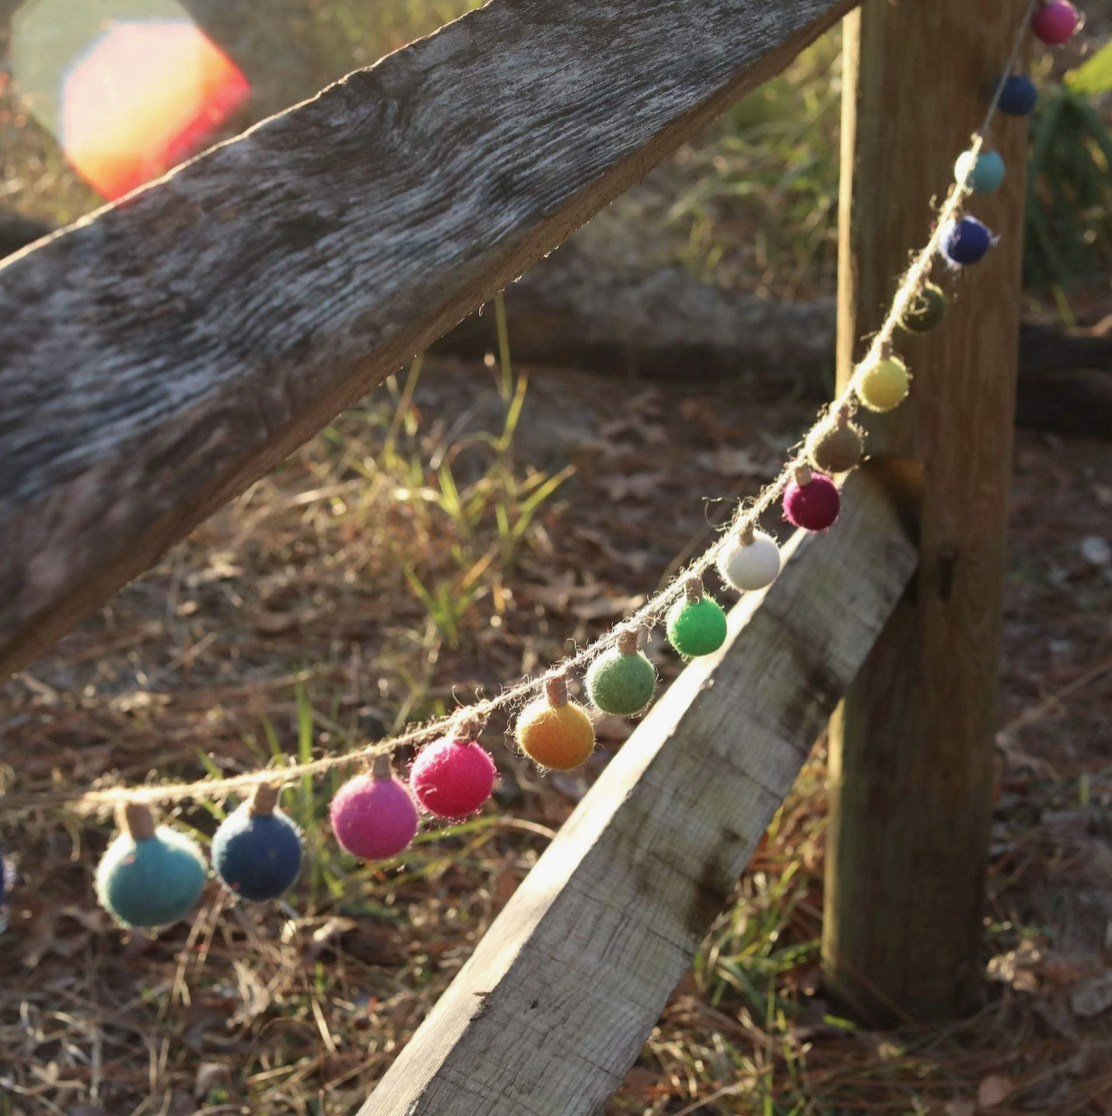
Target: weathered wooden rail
{"x": 159, "y": 356}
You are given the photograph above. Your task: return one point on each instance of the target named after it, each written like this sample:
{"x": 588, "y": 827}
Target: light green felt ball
{"x": 151, "y": 882}
{"x": 621, "y": 684}
{"x": 696, "y": 627}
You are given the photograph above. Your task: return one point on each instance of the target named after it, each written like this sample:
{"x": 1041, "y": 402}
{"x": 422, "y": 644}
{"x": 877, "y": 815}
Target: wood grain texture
{"x": 558, "y": 998}
{"x": 158, "y": 357}
{"x": 911, "y": 751}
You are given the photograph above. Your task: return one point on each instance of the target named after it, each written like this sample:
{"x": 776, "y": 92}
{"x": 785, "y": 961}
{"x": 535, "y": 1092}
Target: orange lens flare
{"x": 144, "y": 96}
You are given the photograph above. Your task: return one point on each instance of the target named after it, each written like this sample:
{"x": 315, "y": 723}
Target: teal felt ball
{"x": 151, "y": 881}
{"x": 984, "y": 171}
{"x": 696, "y": 627}
{"x": 621, "y": 683}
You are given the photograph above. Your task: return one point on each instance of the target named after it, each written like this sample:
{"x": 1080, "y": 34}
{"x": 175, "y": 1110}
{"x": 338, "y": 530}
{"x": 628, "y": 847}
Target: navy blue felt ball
{"x": 965, "y": 241}
{"x": 258, "y": 856}
{"x": 1018, "y": 96}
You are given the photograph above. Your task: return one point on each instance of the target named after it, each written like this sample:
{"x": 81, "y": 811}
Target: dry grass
{"x": 294, "y": 620}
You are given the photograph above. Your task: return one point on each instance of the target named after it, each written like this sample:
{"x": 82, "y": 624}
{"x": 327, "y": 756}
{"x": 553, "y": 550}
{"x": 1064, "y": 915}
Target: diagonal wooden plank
{"x": 557, "y": 1000}
{"x": 158, "y": 357}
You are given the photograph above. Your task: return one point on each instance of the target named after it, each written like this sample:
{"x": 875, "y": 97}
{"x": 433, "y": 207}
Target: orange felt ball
{"x": 559, "y": 737}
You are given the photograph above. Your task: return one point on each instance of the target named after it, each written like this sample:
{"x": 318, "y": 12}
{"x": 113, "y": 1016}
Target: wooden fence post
{"x": 911, "y": 750}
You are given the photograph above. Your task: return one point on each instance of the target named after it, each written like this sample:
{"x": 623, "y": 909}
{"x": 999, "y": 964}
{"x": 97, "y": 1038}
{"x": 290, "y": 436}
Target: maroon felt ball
{"x": 1056, "y": 22}
{"x": 453, "y": 778}
{"x": 811, "y": 501}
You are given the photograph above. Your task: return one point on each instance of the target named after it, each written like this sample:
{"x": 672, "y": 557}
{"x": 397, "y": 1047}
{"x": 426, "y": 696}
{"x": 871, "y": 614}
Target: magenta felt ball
{"x": 453, "y": 778}
{"x": 1056, "y": 22}
{"x": 374, "y": 819}
{"x": 812, "y": 506}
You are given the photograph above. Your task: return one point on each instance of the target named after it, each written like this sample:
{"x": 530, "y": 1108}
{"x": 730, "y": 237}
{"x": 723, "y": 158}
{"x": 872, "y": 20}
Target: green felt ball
{"x": 926, "y": 311}
{"x": 621, "y": 684}
{"x": 696, "y": 627}
{"x": 151, "y": 882}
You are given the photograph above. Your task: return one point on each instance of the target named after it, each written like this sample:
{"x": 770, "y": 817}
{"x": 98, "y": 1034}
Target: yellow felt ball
{"x": 559, "y": 737}
{"x": 883, "y": 384}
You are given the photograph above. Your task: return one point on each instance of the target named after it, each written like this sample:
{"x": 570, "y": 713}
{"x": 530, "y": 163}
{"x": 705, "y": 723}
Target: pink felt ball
{"x": 374, "y": 818}
{"x": 1056, "y": 22}
{"x": 453, "y": 778}
{"x": 811, "y": 501}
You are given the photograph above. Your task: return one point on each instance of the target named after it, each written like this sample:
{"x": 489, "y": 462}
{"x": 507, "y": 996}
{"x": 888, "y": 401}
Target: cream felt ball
{"x": 621, "y": 681}
{"x": 696, "y": 626}
{"x": 883, "y": 384}
{"x": 374, "y": 817}
{"x": 149, "y": 877}
{"x": 749, "y": 565}
{"x": 256, "y": 852}
{"x": 452, "y": 777}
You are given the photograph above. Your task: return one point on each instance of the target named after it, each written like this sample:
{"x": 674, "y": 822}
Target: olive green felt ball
{"x": 621, "y": 684}
{"x": 926, "y": 310}
{"x": 838, "y": 448}
{"x": 696, "y": 627}
{"x": 884, "y": 384}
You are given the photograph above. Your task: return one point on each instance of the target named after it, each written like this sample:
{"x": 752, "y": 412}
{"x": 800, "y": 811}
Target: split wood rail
{"x": 159, "y": 356}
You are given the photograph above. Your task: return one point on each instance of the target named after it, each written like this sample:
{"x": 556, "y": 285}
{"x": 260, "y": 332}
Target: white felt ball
{"x": 750, "y": 567}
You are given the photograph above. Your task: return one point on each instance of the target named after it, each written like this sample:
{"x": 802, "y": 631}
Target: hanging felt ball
{"x": 983, "y": 172}
{"x": 750, "y": 560}
{"x": 554, "y": 732}
{"x": 1018, "y": 96}
{"x": 838, "y": 445}
{"x": 148, "y": 876}
{"x": 454, "y": 776}
{"x": 256, "y": 852}
{"x": 621, "y": 681}
{"x": 696, "y": 623}
{"x": 811, "y": 501}
{"x": 1056, "y": 22}
{"x": 964, "y": 241}
{"x": 374, "y": 816}
{"x": 883, "y": 383}
{"x": 926, "y": 310}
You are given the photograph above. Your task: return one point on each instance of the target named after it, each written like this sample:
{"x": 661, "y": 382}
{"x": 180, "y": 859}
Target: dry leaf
{"x": 961, "y": 1108}
{"x": 732, "y": 463}
{"x": 994, "y": 1090}
{"x": 208, "y": 1073}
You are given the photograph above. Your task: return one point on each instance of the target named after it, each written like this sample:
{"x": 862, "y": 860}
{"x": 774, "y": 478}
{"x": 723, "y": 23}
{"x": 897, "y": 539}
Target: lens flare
{"x": 129, "y": 91}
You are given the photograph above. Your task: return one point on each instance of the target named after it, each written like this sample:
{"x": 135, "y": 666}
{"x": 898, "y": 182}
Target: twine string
{"x": 553, "y": 681}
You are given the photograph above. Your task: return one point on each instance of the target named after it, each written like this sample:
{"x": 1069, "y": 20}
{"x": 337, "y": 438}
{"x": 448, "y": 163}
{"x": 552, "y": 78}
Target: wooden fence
{"x": 161, "y": 355}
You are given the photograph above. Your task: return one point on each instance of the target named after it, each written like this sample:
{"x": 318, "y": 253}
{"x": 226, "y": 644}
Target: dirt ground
{"x": 289, "y": 612}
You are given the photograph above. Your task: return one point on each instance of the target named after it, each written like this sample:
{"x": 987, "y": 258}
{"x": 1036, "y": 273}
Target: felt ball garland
{"x": 149, "y": 876}
{"x": 838, "y": 446}
{"x": 751, "y": 560}
{"x": 256, "y": 852}
{"x": 811, "y": 500}
{"x": 555, "y": 732}
{"x": 622, "y": 681}
{"x": 964, "y": 241}
{"x": 374, "y": 816}
{"x": 454, "y": 776}
{"x": 152, "y": 875}
{"x": 883, "y": 384}
{"x": 1056, "y": 22}
{"x": 696, "y": 623}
